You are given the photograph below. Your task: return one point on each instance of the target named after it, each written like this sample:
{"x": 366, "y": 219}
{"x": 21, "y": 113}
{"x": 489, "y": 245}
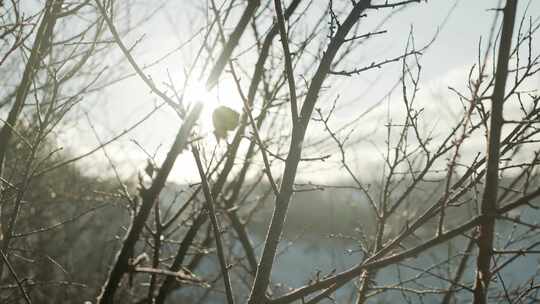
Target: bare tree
{"x": 436, "y": 222}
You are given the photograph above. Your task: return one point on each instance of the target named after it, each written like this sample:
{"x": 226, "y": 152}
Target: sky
{"x": 457, "y": 26}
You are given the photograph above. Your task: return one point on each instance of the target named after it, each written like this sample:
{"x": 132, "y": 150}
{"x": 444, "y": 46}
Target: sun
{"x": 223, "y": 94}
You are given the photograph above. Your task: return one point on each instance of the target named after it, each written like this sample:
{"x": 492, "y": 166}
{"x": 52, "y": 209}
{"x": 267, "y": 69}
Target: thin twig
{"x": 14, "y": 274}
{"x": 215, "y": 225}
{"x": 288, "y": 61}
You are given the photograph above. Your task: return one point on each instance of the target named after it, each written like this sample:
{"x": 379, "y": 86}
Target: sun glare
{"x": 223, "y": 94}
